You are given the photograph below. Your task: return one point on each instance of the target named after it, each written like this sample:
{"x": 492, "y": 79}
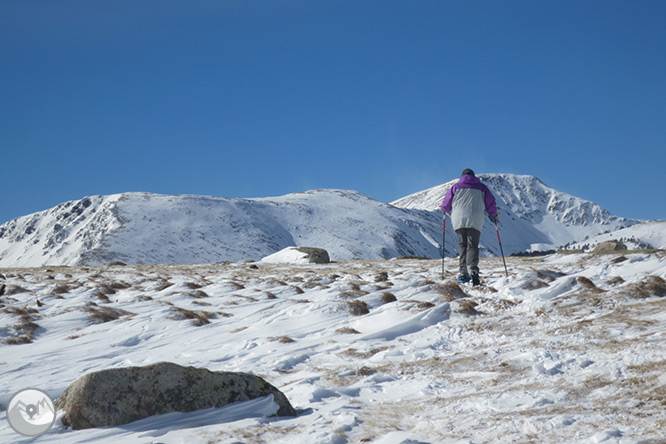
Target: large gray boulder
{"x": 122, "y": 395}
{"x": 609, "y": 246}
{"x": 315, "y": 255}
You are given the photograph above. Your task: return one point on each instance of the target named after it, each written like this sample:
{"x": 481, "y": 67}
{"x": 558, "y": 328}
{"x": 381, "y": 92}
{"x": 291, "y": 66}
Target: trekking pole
{"x": 443, "y": 244}
{"x": 501, "y": 249}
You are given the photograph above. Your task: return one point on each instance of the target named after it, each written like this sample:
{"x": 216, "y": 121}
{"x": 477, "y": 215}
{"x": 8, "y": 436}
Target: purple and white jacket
{"x": 467, "y": 200}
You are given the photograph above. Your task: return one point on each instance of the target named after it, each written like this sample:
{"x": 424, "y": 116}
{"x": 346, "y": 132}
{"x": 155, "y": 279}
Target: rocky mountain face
{"x": 143, "y": 228}
{"x": 532, "y": 214}
{"x": 527, "y": 198}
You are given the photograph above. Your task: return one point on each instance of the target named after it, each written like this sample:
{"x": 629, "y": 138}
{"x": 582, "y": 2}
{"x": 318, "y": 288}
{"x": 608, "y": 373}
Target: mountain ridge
{"x": 146, "y": 228}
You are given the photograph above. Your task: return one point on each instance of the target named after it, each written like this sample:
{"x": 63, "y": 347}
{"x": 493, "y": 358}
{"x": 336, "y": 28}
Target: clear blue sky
{"x": 262, "y": 98}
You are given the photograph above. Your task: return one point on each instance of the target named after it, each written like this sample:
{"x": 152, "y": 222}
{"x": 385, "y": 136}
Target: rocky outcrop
{"x": 120, "y": 396}
{"x": 607, "y": 246}
{"x": 315, "y": 255}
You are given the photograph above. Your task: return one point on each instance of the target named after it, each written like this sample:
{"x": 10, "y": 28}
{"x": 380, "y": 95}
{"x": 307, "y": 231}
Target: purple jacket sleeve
{"x": 489, "y": 200}
{"x": 447, "y": 203}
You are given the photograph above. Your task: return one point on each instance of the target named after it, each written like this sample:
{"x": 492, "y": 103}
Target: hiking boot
{"x": 475, "y": 279}
{"x": 464, "y": 278}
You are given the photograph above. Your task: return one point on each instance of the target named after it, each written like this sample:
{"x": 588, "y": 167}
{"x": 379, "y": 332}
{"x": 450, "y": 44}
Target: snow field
{"x": 569, "y": 348}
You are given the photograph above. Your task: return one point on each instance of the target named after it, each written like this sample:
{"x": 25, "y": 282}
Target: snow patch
{"x": 290, "y": 255}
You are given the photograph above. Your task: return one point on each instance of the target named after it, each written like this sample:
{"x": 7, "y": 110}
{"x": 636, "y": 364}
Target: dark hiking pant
{"x": 468, "y": 249}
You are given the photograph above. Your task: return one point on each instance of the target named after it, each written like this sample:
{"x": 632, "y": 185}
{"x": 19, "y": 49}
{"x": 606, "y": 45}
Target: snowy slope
{"x": 649, "y": 234}
{"x": 149, "y": 229}
{"x": 568, "y": 349}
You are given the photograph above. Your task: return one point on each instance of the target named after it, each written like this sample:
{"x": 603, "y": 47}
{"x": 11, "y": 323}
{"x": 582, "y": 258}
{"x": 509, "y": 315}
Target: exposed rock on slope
{"x": 123, "y": 395}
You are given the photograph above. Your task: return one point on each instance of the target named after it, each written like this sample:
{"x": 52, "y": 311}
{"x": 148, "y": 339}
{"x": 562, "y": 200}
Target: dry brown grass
{"x": 648, "y": 287}
{"x": 358, "y": 307}
{"x": 20, "y": 311}
{"x": 419, "y": 305}
{"x": 281, "y": 339}
{"x": 246, "y": 298}
{"x": 60, "y": 288}
{"x": 366, "y": 371}
{"x": 353, "y": 291}
{"x": 238, "y": 286}
{"x": 388, "y": 297}
{"x": 449, "y": 291}
{"x": 548, "y": 275}
{"x": 197, "y": 294}
{"x": 535, "y": 284}
{"x": 25, "y": 332}
{"x": 11, "y": 290}
{"x": 162, "y": 285}
{"x": 109, "y": 288}
{"x": 98, "y": 315}
{"x": 198, "y": 317}
{"x": 467, "y": 307}
{"x": 101, "y": 296}
{"x": 617, "y": 280}
{"x": 354, "y": 353}
{"x": 192, "y": 285}
{"x": 347, "y": 331}
{"x": 382, "y": 277}
{"x": 588, "y": 284}
{"x": 25, "y": 328}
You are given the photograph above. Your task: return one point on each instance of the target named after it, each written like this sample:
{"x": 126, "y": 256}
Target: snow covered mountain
{"x": 148, "y": 228}
{"x": 532, "y": 215}
{"x": 143, "y": 228}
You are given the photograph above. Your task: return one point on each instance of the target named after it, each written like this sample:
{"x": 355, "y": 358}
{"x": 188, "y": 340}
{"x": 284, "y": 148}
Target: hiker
{"x": 467, "y": 200}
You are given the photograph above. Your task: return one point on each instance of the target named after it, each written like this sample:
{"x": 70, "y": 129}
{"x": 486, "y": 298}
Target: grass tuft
{"x": 25, "y": 332}
{"x": 388, "y": 297}
{"x": 617, "y": 280}
{"x": 347, "y": 331}
{"x": 588, "y": 284}
{"x": 11, "y": 290}
{"x": 422, "y": 306}
{"x": 192, "y": 285}
{"x": 238, "y": 286}
{"x": 198, "y": 294}
{"x": 358, "y": 308}
{"x": 651, "y": 286}
{"x": 60, "y": 289}
{"x": 198, "y": 317}
{"x": 281, "y": 339}
{"x": 468, "y": 307}
{"x": 382, "y": 277}
{"x": 99, "y": 315}
{"x": 450, "y": 291}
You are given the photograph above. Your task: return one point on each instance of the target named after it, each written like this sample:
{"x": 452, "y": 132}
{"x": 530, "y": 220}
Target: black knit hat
{"x": 467, "y": 171}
